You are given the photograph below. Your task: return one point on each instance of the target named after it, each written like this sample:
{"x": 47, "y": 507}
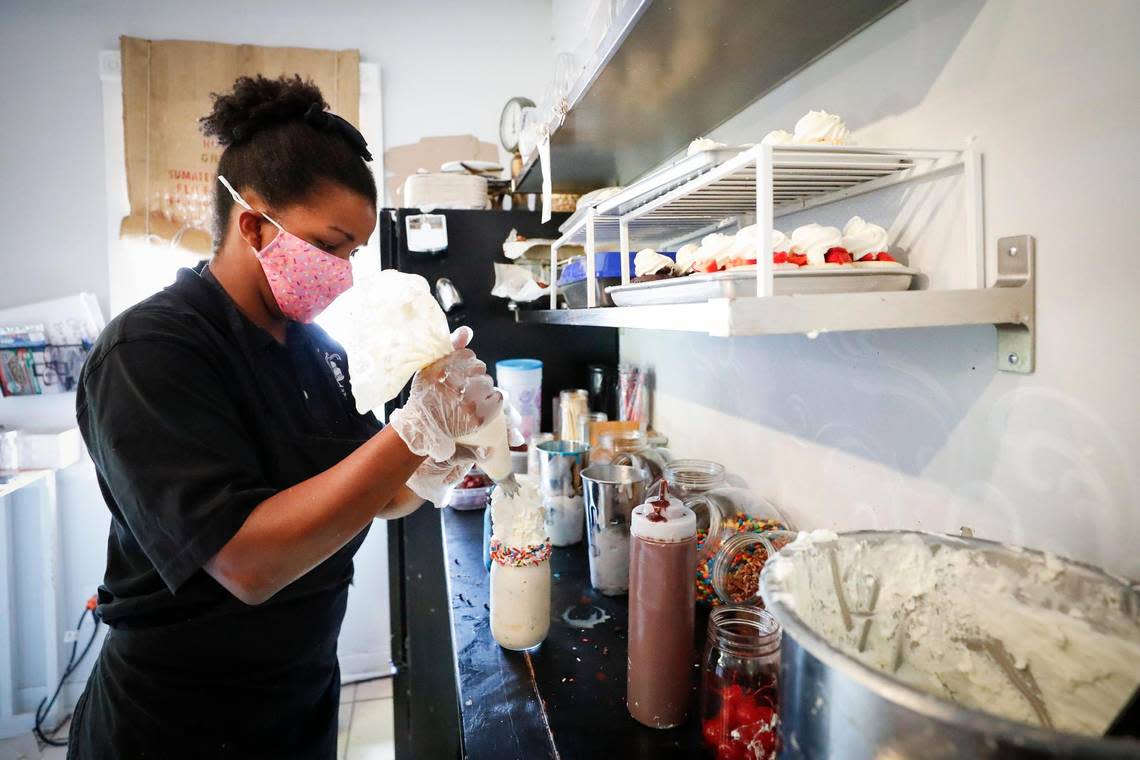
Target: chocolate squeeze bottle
{"x": 662, "y": 601}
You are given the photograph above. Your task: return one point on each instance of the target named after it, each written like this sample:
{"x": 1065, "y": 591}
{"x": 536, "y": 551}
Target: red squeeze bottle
{"x": 662, "y": 606}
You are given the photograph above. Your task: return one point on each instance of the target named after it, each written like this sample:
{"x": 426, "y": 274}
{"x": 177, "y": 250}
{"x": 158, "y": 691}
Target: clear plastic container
{"x": 740, "y": 684}
{"x": 632, "y": 448}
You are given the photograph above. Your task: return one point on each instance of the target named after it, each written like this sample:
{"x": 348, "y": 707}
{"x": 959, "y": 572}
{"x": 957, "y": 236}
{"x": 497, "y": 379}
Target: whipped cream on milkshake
{"x": 520, "y": 568}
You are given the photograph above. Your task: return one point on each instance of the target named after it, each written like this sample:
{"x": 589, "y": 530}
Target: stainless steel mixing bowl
{"x": 834, "y": 706}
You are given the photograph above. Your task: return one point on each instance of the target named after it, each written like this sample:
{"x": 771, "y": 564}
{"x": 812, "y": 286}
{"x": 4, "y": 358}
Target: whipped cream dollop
{"x": 716, "y": 247}
{"x": 781, "y": 243}
{"x": 821, "y": 128}
{"x": 687, "y": 256}
{"x": 815, "y": 240}
{"x": 703, "y": 144}
{"x": 648, "y": 261}
{"x": 519, "y": 521}
{"x": 778, "y": 137}
{"x": 861, "y": 237}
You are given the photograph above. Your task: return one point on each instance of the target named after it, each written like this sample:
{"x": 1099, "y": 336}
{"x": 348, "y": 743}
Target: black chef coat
{"x": 193, "y": 416}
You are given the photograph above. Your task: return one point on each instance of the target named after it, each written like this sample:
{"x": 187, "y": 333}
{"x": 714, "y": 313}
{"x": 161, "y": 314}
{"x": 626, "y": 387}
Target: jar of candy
{"x": 739, "y": 684}
{"x": 632, "y": 448}
{"x": 722, "y": 510}
{"x": 736, "y": 566}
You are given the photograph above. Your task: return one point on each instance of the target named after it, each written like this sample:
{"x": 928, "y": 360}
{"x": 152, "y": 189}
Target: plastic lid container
{"x": 607, "y": 264}
{"x": 519, "y": 365}
{"x": 680, "y": 524}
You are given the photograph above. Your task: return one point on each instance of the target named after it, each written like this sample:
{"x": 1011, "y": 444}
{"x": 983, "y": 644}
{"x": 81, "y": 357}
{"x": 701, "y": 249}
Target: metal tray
{"x": 740, "y": 282}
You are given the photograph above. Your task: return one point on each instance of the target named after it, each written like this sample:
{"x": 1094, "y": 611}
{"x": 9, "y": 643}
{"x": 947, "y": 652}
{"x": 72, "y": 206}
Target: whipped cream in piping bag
{"x": 394, "y": 329}
{"x": 815, "y": 240}
{"x": 648, "y": 261}
{"x": 821, "y": 128}
{"x": 861, "y": 238}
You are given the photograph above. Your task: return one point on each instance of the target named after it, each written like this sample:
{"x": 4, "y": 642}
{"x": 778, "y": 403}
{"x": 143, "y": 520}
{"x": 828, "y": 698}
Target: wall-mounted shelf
{"x": 770, "y": 181}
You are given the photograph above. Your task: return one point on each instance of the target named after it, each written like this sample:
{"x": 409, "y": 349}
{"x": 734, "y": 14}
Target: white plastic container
{"x": 521, "y": 380}
{"x": 49, "y": 449}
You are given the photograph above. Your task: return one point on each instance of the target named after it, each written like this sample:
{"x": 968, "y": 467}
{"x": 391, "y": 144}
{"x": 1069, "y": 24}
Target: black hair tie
{"x": 327, "y": 121}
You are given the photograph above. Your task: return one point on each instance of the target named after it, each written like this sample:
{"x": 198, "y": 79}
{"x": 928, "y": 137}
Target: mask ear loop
{"x": 241, "y": 202}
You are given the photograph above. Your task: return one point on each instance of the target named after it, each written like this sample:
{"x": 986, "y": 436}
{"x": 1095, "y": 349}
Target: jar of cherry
{"x": 740, "y": 673}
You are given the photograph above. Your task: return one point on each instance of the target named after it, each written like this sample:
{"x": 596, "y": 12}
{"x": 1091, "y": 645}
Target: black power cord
{"x": 45, "y": 706}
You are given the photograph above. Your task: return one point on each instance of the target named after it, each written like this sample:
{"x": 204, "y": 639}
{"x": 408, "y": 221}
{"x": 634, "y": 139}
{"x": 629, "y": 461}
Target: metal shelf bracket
{"x": 1016, "y": 264}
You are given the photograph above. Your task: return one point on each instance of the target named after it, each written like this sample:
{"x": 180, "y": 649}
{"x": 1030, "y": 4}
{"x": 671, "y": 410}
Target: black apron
{"x": 232, "y": 686}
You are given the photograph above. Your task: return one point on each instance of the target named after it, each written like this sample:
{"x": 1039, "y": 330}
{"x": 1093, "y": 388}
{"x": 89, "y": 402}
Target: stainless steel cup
{"x": 611, "y": 492}
{"x": 560, "y": 480}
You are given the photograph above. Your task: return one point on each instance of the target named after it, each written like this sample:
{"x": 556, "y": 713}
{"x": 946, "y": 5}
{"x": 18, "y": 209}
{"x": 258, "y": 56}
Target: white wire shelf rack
{"x": 766, "y": 182}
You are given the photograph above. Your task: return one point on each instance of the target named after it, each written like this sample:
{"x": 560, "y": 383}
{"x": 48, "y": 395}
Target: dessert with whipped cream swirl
{"x": 649, "y": 265}
{"x": 819, "y": 245}
{"x": 821, "y": 128}
{"x": 868, "y": 243}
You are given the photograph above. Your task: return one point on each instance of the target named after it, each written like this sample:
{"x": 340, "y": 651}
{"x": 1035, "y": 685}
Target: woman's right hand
{"x": 450, "y": 398}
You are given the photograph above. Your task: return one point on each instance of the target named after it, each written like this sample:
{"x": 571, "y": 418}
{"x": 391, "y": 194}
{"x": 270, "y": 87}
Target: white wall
{"x": 916, "y": 429}
{"x": 448, "y": 67}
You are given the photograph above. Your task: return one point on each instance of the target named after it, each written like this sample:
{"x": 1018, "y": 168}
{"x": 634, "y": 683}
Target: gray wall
{"x": 915, "y": 429}
{"x": 448, "y": 67}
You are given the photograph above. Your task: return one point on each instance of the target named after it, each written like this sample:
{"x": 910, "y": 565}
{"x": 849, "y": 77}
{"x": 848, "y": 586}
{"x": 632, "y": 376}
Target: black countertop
{"x": 566, "y": 700}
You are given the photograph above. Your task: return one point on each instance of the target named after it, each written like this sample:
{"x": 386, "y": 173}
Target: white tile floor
{"x": 365, "y": 730}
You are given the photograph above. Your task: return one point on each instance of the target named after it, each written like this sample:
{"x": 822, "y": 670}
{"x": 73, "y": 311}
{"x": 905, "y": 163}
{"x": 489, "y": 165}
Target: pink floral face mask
{"x": 304, "y": 279}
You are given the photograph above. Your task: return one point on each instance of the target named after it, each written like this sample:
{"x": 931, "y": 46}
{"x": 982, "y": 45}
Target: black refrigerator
{"x": 426, "y": 697}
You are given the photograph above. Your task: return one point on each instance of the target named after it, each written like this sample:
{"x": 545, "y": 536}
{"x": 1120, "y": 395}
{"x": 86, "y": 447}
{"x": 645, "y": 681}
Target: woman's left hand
{"x": 432, "y": 480}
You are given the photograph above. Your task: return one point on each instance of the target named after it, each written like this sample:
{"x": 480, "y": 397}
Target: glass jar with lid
{"x": 740, "y": 684}
{"x": 736, "y": 566}
{"x": 632, "y": 448}
{"x": 722, "y": 511}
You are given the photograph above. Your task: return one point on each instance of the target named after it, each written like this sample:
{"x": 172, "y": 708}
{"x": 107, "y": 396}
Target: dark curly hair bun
{"x": 259, "y": 102}
{"x": 280, "y": 140}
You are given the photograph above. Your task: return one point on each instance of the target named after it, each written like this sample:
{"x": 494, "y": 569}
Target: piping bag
{"x": 396, "y": 328}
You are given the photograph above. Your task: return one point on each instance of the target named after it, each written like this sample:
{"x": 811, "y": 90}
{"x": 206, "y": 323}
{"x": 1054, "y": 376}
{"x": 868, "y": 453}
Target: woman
{"x": 240, "y": 477}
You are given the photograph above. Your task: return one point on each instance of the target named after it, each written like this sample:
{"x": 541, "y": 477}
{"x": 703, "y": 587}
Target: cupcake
{"x": 867, "y": 243}
{"x": 649, "y": 266}
{"x": 820, "y": 245}
{"x": 687, "y": 257}
{"x": 820, "y": 128}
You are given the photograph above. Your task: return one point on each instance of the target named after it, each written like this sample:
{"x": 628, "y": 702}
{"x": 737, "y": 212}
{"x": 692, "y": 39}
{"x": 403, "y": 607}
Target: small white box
{"x": 49, "y": 449}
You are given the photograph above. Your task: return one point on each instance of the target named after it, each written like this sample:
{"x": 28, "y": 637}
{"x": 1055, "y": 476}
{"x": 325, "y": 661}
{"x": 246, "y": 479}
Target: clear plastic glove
{"x": 433, "y": 480}
{"x": 449, "y": 399}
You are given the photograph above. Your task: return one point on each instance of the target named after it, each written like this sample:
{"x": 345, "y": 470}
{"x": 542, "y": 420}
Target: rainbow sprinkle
{"x": 519, "y": 556}
{"x": 738, "y": 524}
